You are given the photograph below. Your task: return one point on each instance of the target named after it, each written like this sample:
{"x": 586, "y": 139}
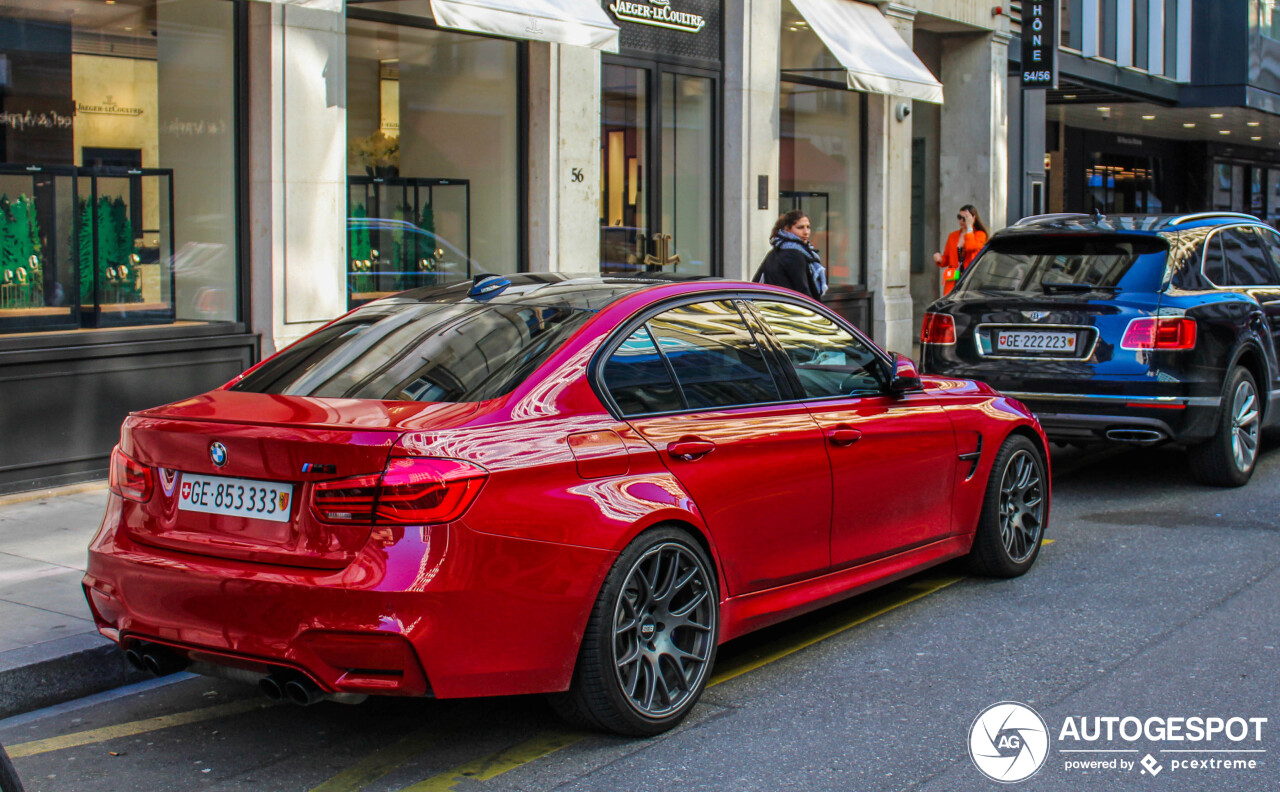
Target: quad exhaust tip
{"x": 1135, "y": 436}
{"x": 155, "y": 659}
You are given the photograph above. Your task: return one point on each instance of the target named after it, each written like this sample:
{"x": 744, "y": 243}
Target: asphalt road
{"x": 1156, "y": 599}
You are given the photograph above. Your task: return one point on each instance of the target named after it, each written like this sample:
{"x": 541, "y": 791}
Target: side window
{"x": 828, "y": 360}
{"x": 1215, "y": 264}
{"x": 1247, "y": 263}
{"x": 638, "y": 379}
{"x": 714, "y": 355}
{"x": 1258, "y": 269}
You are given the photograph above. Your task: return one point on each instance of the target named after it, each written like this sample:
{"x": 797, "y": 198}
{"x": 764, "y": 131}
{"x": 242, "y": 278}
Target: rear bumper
{"x": 1141, "y": 420}
{"x": 454, "y": 612}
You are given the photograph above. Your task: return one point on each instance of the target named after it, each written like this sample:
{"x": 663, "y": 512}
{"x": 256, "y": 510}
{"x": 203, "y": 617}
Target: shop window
{"x": 821, "y": 172}
{"x": 117, "y": 164}
{"x": 432, "y": 158}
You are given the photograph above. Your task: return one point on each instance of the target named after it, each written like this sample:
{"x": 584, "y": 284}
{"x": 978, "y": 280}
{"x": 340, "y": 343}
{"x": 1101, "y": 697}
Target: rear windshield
{"x": 1065, "y": 264}
{"x": 428, "y": 352}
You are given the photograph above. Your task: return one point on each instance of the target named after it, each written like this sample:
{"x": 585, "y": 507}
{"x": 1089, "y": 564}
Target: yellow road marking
{"x": 493, "y": 766}
{"x": 776, "y": 650}
{"x": 134, "y": 728}
{"x": 380, "y": 763}
{"x": 548, "y": 743}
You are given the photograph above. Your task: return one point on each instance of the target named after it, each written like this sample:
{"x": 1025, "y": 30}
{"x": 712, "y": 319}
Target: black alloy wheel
{"x": 1014, "y": 513}
{"x": 651, "y": 640}
{"x": 1229, "y": 458}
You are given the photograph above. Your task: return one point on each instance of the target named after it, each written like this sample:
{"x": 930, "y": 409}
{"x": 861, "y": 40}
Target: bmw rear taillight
{"x": 128, "y": 477}
{"x": 938, "y": 329}
{"x": 411, "y": 491}
{"x": 1160, "y": 332}
{"x": 349, "y": 500}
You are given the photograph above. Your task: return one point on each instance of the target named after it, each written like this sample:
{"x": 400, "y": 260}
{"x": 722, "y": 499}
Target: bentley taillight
{"x": 1160, "y": 332}
{"x": 411, "y": 491}
{"x": 938, "y": 329}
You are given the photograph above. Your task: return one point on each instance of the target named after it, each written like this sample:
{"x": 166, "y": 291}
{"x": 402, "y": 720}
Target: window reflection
{"x": 416, "y": 352}
{"x": 828, "y": 360}
{"x": 714, "y": 355}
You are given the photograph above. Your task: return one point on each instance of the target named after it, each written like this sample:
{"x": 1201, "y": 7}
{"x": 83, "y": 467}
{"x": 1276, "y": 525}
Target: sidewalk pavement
{"x": 50, "y": 651}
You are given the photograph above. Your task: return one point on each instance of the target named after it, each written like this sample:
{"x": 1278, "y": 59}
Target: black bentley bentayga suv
{"x": 1130, "y": 329}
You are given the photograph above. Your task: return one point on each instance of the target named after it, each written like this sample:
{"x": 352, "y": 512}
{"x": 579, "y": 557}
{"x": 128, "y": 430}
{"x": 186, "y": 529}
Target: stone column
{"x": 974, "y": 151}
{"x": 752, "y": 128}
{"x": 889, "y": 207}
{"x": 564, "y": 158}
{"x": 297, "y": 165}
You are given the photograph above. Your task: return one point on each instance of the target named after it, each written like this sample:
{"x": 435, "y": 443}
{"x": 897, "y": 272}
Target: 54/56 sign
{"x": 1040, "y": 44}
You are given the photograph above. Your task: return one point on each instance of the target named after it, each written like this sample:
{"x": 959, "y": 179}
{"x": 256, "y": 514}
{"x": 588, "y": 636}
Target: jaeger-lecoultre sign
{"x": 659, "y": 14}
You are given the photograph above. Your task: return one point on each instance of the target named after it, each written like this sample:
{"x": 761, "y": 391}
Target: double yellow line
{"x": 386, "y": 760}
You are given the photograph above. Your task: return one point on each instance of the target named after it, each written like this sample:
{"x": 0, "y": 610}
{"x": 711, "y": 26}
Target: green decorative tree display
{"x": 116, "y": 267}
{"x": 21, "y": 279}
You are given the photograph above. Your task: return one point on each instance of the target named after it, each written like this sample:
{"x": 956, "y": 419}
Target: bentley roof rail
{"x": 1212, "y": 215}
{"x": 1041, "y": 218}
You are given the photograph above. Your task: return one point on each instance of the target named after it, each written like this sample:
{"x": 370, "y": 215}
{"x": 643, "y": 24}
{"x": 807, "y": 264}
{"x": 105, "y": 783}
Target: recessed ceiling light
{"x": 1148, "y": 118}
{"x": 1104, "y": 109}
{"x": 1224, "y": 131}
{"x": 1255, "y": 139}
{"x": 1189, "y": 125}
{"x": 1215, "y": 115}
{"x": 1068, "y": 96}
{"x": 1254, "y": 123}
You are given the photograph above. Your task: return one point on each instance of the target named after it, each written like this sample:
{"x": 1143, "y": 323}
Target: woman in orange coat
{"x": 962, "y": 247}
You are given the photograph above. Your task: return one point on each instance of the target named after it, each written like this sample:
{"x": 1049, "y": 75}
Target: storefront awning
{"x": 876, "y": 59}
{"x": 579, "y": 22}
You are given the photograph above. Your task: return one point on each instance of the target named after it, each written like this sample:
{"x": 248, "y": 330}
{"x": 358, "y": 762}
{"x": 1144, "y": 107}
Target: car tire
{"x": 1228, "y": 459}
{"x": 1014, "y": 512}
{"x": 650, "y": 641}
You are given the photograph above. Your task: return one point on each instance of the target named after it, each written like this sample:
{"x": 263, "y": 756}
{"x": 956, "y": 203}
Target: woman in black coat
{"x": 793, "y": 263}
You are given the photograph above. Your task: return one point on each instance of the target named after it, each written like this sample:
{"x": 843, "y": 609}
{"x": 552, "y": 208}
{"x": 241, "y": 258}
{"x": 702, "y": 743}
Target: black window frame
{"x": 780, "y": 364}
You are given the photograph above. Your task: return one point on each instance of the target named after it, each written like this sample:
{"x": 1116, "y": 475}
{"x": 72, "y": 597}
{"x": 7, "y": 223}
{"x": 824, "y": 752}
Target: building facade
{"x": 1162, "y": 106}
{"x": 188, "y": 185}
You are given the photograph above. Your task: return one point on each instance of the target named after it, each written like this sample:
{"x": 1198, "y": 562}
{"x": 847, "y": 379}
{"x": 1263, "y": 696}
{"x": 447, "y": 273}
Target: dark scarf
{"x": 785, "y": 240}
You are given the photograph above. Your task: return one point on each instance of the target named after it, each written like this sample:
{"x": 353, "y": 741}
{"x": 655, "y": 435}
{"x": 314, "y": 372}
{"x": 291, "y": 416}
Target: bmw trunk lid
{"x": 234, "y": 472}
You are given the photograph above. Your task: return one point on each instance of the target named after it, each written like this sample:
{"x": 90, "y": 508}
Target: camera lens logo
{"x": 1008, "y": 742}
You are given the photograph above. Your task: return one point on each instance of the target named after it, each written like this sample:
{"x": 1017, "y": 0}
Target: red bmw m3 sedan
{"x": 548, "y": 484}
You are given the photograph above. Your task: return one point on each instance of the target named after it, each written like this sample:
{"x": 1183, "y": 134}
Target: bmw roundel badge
{"x": 218, "y": 453}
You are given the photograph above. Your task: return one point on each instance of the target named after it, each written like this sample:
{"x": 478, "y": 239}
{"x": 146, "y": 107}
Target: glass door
{"x": 660, "y": 166}
{"x": 624, "y": 142}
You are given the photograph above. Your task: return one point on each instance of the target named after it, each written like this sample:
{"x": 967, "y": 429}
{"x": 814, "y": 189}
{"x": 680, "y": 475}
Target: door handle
{"x": 689, "y": 450}
{"x": 843, "y": 435}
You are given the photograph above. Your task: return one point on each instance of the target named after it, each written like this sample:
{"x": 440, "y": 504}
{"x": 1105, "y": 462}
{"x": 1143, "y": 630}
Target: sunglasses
{"x": 959, "y": 217}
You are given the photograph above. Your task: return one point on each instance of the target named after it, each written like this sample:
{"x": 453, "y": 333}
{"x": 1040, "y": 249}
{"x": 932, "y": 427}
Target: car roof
{"x": 584, "y": 292}
{"x": 1125, "y": 223}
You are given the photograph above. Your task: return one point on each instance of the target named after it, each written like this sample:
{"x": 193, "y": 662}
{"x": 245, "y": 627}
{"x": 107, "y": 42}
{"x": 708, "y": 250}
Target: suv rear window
{"x": 1056, "y": 264}
{"x": 428, "y": 352}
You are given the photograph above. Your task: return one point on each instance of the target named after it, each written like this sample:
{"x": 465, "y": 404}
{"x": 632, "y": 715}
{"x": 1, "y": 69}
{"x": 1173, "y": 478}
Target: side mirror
{"x": 905, "y": 376}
